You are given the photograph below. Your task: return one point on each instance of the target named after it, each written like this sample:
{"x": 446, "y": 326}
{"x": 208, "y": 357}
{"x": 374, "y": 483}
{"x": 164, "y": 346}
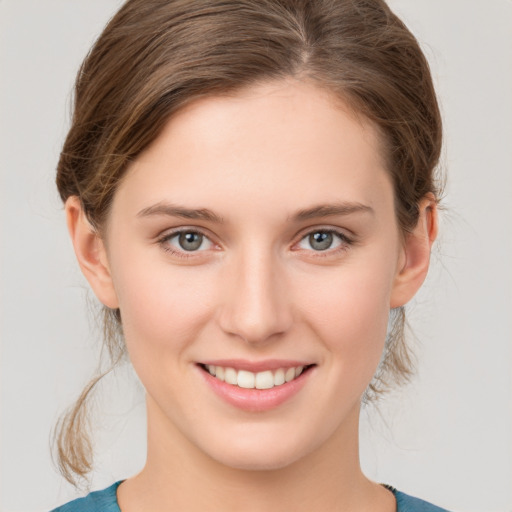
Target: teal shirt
{"x": 106, "y": 501}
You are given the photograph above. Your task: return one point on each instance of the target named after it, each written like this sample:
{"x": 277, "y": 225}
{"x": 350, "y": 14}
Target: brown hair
{"x": 155, "y": 56}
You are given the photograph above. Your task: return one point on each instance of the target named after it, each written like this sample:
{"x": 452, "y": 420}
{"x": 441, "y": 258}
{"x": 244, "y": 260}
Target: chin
{"x": 257, "y": 453}
{"x": 257, "y": 461}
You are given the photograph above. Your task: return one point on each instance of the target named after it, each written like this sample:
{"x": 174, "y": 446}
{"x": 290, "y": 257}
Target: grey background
{"x": 446, "y": 437}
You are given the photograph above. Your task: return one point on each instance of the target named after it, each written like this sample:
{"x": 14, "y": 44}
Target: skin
{"x": 256, "y": 289}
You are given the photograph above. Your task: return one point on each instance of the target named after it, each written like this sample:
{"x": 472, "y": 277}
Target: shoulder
{"x": 97, "y": 501}
{"x": 406, "y": 503}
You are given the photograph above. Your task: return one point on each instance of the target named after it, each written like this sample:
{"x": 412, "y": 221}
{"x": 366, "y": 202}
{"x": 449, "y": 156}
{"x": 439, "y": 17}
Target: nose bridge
{"x": 256, "y": 307}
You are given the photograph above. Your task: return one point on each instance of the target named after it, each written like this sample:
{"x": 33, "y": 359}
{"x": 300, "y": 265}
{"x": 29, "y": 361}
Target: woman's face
{"x": 256, "y": 235}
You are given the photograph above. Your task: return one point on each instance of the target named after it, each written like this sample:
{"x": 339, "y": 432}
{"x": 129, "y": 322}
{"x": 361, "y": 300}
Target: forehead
{"x": 282, "y": 141}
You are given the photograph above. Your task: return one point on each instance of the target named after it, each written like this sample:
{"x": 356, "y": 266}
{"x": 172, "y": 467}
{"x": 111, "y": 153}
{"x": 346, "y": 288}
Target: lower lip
{"x": 256, "y": 400}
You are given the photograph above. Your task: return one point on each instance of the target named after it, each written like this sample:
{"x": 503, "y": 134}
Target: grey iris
{"x": 320, "y": 241}
{"x": 190, "y": 241}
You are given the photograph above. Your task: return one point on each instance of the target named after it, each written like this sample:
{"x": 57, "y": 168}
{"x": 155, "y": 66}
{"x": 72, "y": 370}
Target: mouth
{"x": 266, "y": 379}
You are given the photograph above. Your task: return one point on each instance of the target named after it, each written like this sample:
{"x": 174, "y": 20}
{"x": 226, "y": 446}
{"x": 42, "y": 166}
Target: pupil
{"x": 190, "y": 241}
{"x": 320, "y": 241}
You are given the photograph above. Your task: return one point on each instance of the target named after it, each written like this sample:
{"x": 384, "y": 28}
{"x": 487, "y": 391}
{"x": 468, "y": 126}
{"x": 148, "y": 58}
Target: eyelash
{"x": 163, "y": 242}
{"x": 345, "y": 242}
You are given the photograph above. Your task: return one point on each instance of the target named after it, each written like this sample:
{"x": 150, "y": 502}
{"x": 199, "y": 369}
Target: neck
{"x": 179, "y": 476}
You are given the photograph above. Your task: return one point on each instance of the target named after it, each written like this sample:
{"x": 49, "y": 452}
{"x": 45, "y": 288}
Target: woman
{"x": 250, "y": 192}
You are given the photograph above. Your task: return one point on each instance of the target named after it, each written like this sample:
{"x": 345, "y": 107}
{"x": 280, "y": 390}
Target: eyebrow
{"x": 329, "y": 210}
{"x": 164, "y": 208}
{"x": 321, "y": 210}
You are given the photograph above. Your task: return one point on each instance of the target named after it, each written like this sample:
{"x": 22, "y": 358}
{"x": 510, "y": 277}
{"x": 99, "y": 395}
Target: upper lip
{"x": 255, "y": 366}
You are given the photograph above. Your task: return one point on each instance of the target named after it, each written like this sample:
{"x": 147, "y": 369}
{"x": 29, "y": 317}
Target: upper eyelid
{"x": 169, "y": 233}
{"x": 343, "y": 233}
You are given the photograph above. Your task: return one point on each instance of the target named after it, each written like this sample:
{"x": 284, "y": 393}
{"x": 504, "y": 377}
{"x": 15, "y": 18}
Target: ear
{"x": 415, "y": 259}
{"x": 90, "y": 252}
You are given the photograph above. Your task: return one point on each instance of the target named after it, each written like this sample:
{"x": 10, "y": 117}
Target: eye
{"x": 186, "y": 241}
{"x": 323, "y": 240}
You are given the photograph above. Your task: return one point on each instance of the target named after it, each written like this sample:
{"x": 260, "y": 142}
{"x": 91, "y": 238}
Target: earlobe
{"x": 416, "y": 254}
{"x": 90, "y": 252}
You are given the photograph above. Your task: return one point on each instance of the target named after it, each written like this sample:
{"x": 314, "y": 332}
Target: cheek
{"x": 350, "y": 313}
{"x": 162, "y": 306}
{"x": 163, "y": 312}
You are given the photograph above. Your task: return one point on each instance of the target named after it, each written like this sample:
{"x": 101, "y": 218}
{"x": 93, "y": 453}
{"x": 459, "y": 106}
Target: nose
{"x": 255, "y": 307}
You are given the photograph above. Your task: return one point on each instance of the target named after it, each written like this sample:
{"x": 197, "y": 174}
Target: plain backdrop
{"x": 446, "y": 437}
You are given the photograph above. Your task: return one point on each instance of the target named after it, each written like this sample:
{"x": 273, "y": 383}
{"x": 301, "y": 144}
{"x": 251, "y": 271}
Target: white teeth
{"x": 245, "y": 379}
{"x": 264, "y": 380}
{"x": 279, "y": 377}
{"x": 230, "y": 376}
{"x": 249, "y": 380}
{"x": 219, "y": 372}
{"x": 289, "y": 375}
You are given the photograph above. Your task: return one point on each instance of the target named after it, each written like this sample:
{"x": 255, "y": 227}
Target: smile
{"x": 256, "y": 386}
{"x": 250, "y": 380}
